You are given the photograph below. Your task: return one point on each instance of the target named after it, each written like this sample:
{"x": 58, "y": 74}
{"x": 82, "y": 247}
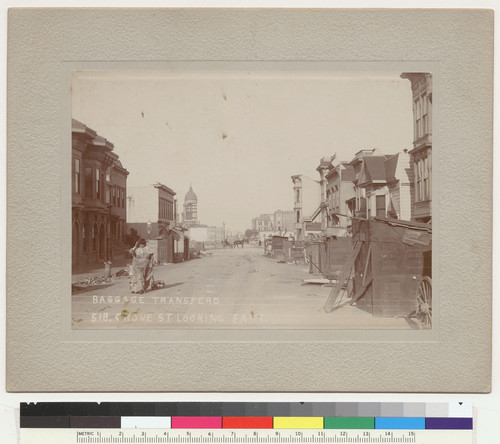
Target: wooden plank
{"x": 368, "y": 258}
{"x": 336, "y": 294}
{"x": 360, "y": 292}
{"x": 312, "y": 263}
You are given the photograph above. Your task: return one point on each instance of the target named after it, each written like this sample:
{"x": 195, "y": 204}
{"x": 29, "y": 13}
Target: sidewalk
{"x": 81, "y": 272}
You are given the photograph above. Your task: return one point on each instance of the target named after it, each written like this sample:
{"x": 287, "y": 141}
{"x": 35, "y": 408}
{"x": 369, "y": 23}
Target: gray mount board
{"x": 44, "y": 354}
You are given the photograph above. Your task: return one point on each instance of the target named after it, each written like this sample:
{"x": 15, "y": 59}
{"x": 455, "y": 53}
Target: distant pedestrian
{"x": 142, "y": 267}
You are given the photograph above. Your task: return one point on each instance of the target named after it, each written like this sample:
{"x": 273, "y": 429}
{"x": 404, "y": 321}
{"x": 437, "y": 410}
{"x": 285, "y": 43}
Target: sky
{"x": 238, "y": 136}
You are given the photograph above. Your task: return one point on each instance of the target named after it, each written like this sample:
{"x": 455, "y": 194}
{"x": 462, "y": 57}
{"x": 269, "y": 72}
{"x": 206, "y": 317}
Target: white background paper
{"x": 488, "y": 406}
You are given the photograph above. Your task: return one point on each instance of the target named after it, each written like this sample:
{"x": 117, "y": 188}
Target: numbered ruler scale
{"x": 43, "y": 424}
{"x": 68, "y": 436}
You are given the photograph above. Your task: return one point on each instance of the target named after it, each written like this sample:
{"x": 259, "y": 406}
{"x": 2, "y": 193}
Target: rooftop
{"x": 191, "y": 195}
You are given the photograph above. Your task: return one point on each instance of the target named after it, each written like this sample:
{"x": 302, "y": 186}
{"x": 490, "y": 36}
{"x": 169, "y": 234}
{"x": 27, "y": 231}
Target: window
{"x": 122, "y": 198}
{"x": 94, "y": 237}
{"x": 362, "y": 204}
{"x": 108, "y": 175}
{"x": 298, "y": 196}
{"x": 425, "y": 129}
{"x": 425, "y": 180}
{"x": 113, "y": 194}
{"x": 84, "y": 239}
{"x": 418, "y": 115}
{"x": 108, "y": 194}
{"x": 88, "y": 182}
{"x": 77, "y": 176}
{"x": 418, "y": 190}
{"x": 298, "y": 216}
{"x": 380, "y": 204}
{"x": 98, "y": 183}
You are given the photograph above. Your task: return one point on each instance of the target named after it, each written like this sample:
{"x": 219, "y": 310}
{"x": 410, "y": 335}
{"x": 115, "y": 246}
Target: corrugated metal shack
{"x": 393, "y": 257}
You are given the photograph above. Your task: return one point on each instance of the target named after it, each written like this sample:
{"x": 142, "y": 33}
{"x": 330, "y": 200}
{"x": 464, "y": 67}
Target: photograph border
{"x": 454, "y": 357}
{"x": 221, "y": 334}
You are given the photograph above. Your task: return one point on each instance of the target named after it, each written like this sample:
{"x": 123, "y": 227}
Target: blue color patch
{"x": 400, "y": 423}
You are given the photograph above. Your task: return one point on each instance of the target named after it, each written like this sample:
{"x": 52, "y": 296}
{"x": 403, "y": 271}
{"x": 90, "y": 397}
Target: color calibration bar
{"x": 293, "y": 423}
{"x": 362, "y": 416}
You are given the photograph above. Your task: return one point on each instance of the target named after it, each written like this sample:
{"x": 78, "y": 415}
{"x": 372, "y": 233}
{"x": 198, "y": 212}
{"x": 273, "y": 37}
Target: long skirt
{"x": 141, "y": 275}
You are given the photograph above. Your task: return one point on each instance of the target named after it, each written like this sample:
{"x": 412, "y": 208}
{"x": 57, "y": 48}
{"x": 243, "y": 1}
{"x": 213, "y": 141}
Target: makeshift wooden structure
{"x": 329, "y": 255}
{"x": 297, "y": 253}
{"x": 172, "y": 246}
{"x": 390, "y": 265}
{"x": 278, "y": 247}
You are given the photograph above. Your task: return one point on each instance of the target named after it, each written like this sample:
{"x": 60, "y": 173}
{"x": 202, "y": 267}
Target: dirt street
{"x": 227, "y": 288}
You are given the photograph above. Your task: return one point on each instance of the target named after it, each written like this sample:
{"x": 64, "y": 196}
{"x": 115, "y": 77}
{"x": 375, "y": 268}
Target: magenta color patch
{"x": 196, "y": 422}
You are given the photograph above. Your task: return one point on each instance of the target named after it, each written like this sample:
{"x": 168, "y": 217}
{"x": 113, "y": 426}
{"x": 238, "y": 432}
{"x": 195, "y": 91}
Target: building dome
{"x": 190, "y": 195}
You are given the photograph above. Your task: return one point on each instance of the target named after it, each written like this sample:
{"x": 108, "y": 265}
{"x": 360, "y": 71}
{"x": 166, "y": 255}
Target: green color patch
{"x": 349, "y": 423}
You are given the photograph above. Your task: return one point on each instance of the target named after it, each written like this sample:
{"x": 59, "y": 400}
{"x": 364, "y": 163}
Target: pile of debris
{"x": 94, "y": 280}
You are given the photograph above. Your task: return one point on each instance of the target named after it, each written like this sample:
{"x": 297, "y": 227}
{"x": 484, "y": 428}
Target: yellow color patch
{"x": 298, "y": 422}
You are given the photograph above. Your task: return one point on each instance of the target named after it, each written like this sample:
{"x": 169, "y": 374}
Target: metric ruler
{"x": 227, "y": 436}
{"x": 241, "y": 423}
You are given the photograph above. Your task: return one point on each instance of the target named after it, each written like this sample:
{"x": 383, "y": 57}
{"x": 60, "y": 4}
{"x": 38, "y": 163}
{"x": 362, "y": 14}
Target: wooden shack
{"x": 337, "y": 250}
{"x": 278, "y": 246}
{"x": 328, "y": 256}
{"x": 393, "y": 257}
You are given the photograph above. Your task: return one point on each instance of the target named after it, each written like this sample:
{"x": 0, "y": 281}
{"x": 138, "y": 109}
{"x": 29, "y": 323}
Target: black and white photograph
{"x": 251, "y": 199}
{"x": 249, "y": 204}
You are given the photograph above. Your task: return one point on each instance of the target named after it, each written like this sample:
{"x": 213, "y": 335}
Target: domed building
{"x": 190, "y": 214}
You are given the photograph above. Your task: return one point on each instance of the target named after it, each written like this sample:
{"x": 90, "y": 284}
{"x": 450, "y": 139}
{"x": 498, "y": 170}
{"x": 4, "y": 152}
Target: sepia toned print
{"x": 263, "y": 200}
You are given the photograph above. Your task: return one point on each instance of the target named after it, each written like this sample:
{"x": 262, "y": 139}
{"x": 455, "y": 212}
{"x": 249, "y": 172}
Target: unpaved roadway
{"x": 227, "y": 288}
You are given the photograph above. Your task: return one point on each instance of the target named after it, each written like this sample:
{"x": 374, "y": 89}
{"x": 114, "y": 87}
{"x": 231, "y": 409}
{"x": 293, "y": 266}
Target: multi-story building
{"x": 357, "y": 205}
{"x": 336, "y": 179}
{"x": 284, "y": 221}
{"x": 264, "y": 222}
{"x": 382, "y": 185}
{"x": 99, "y": 187}
{"x": 399, "y": 177}
{"x": 151, "y": 210}
{"x": 190, "y": 214}
{"x": 307, "y": 200}
{"x": 421, "y": 154}
{"x": 211, "y": 235}
{"x": 339, "y": 190}
{"x": 324, "y": 167}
